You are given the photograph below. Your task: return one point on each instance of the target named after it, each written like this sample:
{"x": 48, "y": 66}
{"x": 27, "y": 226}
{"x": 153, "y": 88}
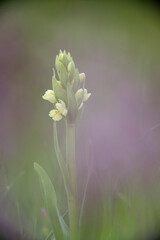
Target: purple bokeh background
{"x": 118, "y": 134}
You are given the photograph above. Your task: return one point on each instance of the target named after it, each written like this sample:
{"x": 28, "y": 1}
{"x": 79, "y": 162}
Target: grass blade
{"x": 50, "y": 201}
{"x": 65, "y": 228}
{"x": 84, "y": 198}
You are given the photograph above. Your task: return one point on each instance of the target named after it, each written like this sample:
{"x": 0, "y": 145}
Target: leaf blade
{"x": 59, "y": 91}
{"x": 50, "y": 200}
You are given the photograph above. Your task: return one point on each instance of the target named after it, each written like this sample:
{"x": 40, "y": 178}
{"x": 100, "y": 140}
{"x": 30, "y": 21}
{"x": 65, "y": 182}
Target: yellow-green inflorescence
{"x": 68, "y": 94}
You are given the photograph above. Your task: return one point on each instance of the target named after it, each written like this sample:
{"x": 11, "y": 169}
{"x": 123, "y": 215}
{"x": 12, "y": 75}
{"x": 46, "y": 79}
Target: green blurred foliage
{"x": 124, "y": 35}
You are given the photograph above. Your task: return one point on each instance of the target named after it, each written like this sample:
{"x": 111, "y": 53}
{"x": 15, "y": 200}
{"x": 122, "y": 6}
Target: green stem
{"x": 71, "y": 165}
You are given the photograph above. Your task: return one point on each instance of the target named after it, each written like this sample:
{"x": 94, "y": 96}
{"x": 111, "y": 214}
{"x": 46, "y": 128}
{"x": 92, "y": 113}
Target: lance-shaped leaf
{"x": 57, "y": 64}
{"x": 64, "y": 59}
{"x": 62, "y": 72}
{"x": 72, "y": 105}
{"x": 76, "y": 80}
{"x": 84, "y": 197}
{"x": 63, "y": 75}
{"x": 50, "y": 201}
{"x": 50, "y": 234}
{"x": 65, "y": 228}
{"x": 61, "y": 161}
{"x": 59, "y": 91}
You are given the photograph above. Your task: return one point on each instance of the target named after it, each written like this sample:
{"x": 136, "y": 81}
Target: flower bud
{"x": 71, "y": 67}
{"x": 82, "y": 96}
{"x": 69, "y": 57}
{"x": 82, "y": 77}
{"x": 86, "y": 95}
{"x": 71, "y": 70}
{"x": 79, "y": 95}
{"x": 63, "y": 58}
{"x": 60, "y": 55}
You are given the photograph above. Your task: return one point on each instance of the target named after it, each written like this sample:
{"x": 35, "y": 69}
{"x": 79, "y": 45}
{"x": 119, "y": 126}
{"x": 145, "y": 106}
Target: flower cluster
{"x": 68, "y": 94}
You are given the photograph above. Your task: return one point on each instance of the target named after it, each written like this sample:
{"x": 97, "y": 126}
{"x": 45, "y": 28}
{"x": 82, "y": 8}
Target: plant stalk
{"x": 71, "y": 165}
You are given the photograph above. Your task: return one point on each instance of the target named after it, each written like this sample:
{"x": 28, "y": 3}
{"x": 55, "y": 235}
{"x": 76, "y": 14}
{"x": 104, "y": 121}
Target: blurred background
{"x": 117, "y": 45}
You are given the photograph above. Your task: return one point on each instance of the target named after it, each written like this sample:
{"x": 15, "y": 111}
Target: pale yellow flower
{"x": 81, "y": 96}
{"x": 61, "y": 107}
{"x": 49, "y": 96}
{"x": 86, "y": 95}
{"x": 82, "y": 77}
{"x": 55, "y": 115}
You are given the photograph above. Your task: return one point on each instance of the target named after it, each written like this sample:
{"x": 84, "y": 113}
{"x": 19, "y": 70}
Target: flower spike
{"x": 68, "y": 92}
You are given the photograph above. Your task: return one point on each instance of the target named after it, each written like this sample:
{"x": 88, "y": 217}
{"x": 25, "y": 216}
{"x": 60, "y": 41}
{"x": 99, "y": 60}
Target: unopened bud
{"x": 71, "y": 67}
{"x": 79, "y": 95}
{"x": 61, "y": 55}
{"x": 82, "y": 77}
{"x": 69, "y": 57}
{"x": 86, "y": 95}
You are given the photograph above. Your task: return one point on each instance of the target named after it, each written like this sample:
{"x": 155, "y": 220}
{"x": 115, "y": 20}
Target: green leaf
{"x": 76, "y": 81}
{"x": 84, "y": 197}
{"x": 11, "y": 186}
{"x": 57, "y": 64}
{"x": 61, "y": 161}
{"x": 65, "y": 228}
{"x": 59, "y": 91}
{"x": 65, "y": 59}
{"x": 72, "y": 105}
{"x": 62, "y": 72}
{"x": 63, "y": 75}
{"x": 50, "y": 235}
{"x": 50, "y": 201}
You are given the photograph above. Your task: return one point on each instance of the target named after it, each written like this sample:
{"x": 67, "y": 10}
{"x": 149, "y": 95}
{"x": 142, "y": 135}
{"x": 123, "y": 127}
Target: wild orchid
{"x": 68, "y": 96}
